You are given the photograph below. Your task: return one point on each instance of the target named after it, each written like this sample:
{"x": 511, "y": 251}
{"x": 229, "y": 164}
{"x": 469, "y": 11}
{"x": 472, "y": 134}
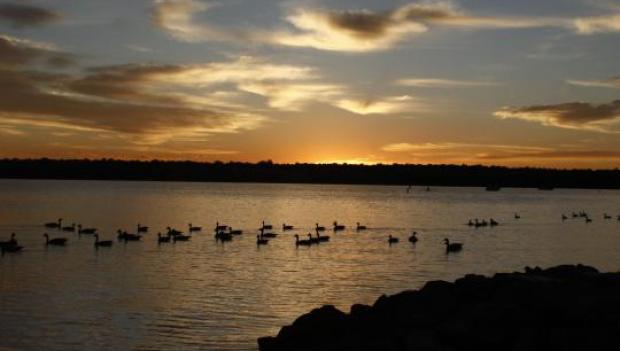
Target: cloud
{"x": 382, "y": 105}
{"x": 19, "y": 52}
{"x": 425, "y": 147}
{"x": 573, "y": 115}
{"x": 441, "y": 83}
{"x": 601, "y": 24}
{"x": 603, "y": 83}
{"x": 552, "y": 154}
{"x": 21, "y": 15}
{"x": 293, "y": 96}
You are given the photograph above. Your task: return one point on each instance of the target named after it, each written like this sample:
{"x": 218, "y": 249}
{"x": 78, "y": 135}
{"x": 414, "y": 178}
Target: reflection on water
{"x": 211, "y": 296}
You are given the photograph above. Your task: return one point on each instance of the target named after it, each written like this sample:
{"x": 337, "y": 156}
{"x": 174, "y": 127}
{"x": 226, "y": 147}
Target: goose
{"x": 194, "y": 229}
{"x": 162, "y": 239}
{"x": 223, "y": 236}
{"x": 322, "y": 238}
{"x": 261, "y": 241}
{"x": 564, "y": 217}
{"x": 319, "y": 227}
{"x": 86, "y": 230}
{"x": 142, "y": 229}
{"x": 574, "y": 215}
{"x": 173, "y": 232}
{"x": 413, "y": 238}
{"x": 102, "y": 243}
{"x": 517, "y": 216}
{"x": 619, "y": 217}
{"x": 301, "y": 242}
{"x": 234, "y": 231}
{"x": 55, "y": 241}
{"x": 180, "y": 238}
{"x": 470, "y": 223}
{"x": 392, "y": 240}
{"x": 286, "y": 227}
{"x": 219, "y": 228}
{"x": 493, "y": 222}
{"x": 70, "y": 228}
{"x": 267, "y": 226}
{"x": 606, "y": 216}
{"x": 359, "y": 227}
{"x": 267, "y": 235}
{"x": 313, "y": 240}
{"x": 338, "y": 227}
{"x": 132, "y": 237}
{"x": 11, "y": 248}
{"x": 121, "y": 234}
{"x": 10, "y": 242}
{"x": 452, "y": 247}
{"x": 56, "y": 224}
{"x": 588, "y": 219}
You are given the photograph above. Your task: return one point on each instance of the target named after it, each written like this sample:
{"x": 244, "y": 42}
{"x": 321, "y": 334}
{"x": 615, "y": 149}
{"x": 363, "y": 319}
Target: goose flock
{"x": 225, "y": 233}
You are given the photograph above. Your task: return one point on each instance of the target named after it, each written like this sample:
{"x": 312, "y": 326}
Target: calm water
{"x": 204, "y": 295}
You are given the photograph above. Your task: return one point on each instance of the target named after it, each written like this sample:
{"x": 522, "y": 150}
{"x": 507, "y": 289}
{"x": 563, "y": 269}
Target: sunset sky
{"x": 519, "y": 82}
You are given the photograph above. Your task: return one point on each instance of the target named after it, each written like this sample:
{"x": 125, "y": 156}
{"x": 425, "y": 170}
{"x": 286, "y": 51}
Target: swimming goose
{"x": 219, "y": 227}
{"x": 322, "y": 238}
{"x": 162, "y": 239}
{"x": 102, "y": 243}
{"x": 564, "y": 217}
{"x": 338, "y": 227}
{"x": 234, "y": 231}
{"x": 172, "y": 231}
{"x": 223, "y": 236}
{"x": 10, "y": 242}
{"x": 517, "y": 216}
{"x": 286, "y": 227}
{"x": 313, "y": 240}
{"x": 266, "y": 226}
{"x": 392, "y": 240}
{"x": 452, "y": 247}
{"x": 359, "y": 227}
{"x": 70, "y": 228}
{"x": 193, "y": 228}
{"x": 86, "y": 230}
{"x": 606, "y": 216}
{"x": 132, "y": 237}
{"x": 142, "y": 229}
{"x": 493, "y": 222}
{"x": 55, "y": 241}
{"x": 267, "y": 235}
{"x": 11, "y": 248}
{"x": 588, "y": 219}
{"x": 56, "y": 224}
{"x": 261, "y": 241}
{"x": 301, "y": 242}
{"x": 180, "y": 238}
{"x": 319, "y": 227}
{"x": 413, "y": 238}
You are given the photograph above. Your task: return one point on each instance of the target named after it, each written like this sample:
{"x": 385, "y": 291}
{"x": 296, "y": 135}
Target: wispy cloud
{"x": 18, "y": 52}
{"x": 600, "y": 24}
{"x": 382, "y": 105}
{"x": 573, "y": 115}
{"x": 441, "y": 83}
{"x": 600, "y": 83}
{"x": 23, "y": 15}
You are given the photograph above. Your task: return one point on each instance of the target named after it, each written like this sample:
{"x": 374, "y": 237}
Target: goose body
{"x": 413, "y": 238}
{"x": 392, "y": 240}
{"x": 267, "y": 226}
{"x": 56, "y": 224}
{"x": 223, "y": 236}
{"x": 301, "y": 242}
{"x": 102, "y": 243}
{"x": 234, "y": 231}
{"x": 180, "y": 238}
{"x": 452, "y": 247}
{"x": 55, "y": 241}
{"x": 313, "y": 240}
{"x": 193, "y": 228}
{"x": 70, "y": 228}
{"x": 142, "y": 228}
{"x": 162, "y": 239}
{"x": 360, "y": 227}
{"x": 261, "y": 241}
{"x": 319, "y": 227}
{"x": 338, "y": 227}
{"x": 267, "y": 235}
{"x": 564, "y": 217}
{"x": 132, "y": 237}
{"x": 219, "y": 227}
{"x": 11, "y": 248}
{"x": 322, "y": 238}
{"x": 493, "y": 222}
{"x": 286, "y": 227}
{"x": 606, "y": 216}
{"x": 588, "y": 219}
{"x": 10, "y": 242}
{"x": 517, "y": 216}
{"x": 173, "y": 232}
{"x": 86, "y": 230}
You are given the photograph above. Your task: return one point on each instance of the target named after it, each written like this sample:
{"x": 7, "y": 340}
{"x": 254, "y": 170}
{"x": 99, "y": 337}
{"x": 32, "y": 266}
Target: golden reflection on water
{"x": 203, "y": 294}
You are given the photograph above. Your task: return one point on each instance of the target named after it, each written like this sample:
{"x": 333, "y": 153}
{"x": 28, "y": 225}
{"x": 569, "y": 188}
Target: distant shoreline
{"x": 493, "y": 177}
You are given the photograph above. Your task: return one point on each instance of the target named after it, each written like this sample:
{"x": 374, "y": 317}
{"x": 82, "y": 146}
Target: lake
{"x": 207, "y": 295}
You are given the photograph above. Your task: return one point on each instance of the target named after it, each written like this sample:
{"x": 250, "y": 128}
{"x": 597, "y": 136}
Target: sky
{"x": 515, "y": 83}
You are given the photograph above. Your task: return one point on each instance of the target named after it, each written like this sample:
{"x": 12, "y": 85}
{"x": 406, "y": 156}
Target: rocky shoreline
{"x": 560, "y": 308}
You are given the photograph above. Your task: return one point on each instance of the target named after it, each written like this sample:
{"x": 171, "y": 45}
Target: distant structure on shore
{"x": 490, "y": 177}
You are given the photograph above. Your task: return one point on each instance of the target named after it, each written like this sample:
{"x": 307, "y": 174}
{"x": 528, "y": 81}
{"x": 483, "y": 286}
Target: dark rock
{"x": 560, "y": 308}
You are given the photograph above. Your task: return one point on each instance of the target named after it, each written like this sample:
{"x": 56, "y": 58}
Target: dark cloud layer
{"x": 17, "y": 52}
{"x": 20, "y": 15}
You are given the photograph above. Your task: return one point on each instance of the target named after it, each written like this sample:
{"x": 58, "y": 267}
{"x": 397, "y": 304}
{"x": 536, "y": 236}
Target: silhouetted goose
{"x": 588, "y": 219}
{"x": 223, "y": 236}
{"x": 219, "y": 227}
{"x": 564, "y": 217}
{"x": 180, "y": 238}
{"x": 234, "y": 231}
{"x": 86, "y": 230}
{"x": 470, "y": 223}
{"x": 392, "y": 240}
{"x": 413, "y": 238}
{"x": 267, "y": 226}
{"x": 286, "y": 227}
{"x": 162, "y": 239}
{"x": 313, "y": 240}
{"x": 57, "y": 224}
{"x": 11, "y": 248}
{"x": 452, "y": 247}
{"x": 102, "y": 243}
{"x": 493, "y": 222}
{"x": 194, "y": 229}
{"x": 301, "y": 242}
{"x": 619, "y": 217}
{"x": 606, "y": 216}
{"x": 267, "y": 235}
{"x": 142, "y": 228}
{"x": 132, "y": 237}
{"x": 55, "y": 241}
{"x": 338, "y": 227}
{"x": 261, "y": 241}
{"x": 517, "y": 216}
{"x": 319, "y": 227}
{"x": 173, "y": 232}
{"x": 322, "y": 238}
{"x": 359, "y": 227}
{"x": 10, "y": 242}
{"x": 574, "y": 215}
{"x": 70, "y": 228}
